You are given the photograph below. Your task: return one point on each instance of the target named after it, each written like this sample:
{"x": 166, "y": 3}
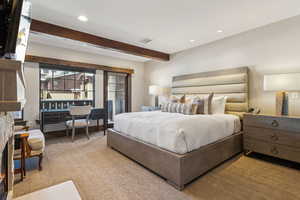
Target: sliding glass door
{"x": 117, "y": 93}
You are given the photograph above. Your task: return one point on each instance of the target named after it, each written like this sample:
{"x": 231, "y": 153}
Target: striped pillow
{"x": 189, "y": 109}
{"x": 164, "y": 107}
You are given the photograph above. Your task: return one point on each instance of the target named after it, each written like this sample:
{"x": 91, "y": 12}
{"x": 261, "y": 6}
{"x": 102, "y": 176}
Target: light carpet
{"x": 101, "y": 173}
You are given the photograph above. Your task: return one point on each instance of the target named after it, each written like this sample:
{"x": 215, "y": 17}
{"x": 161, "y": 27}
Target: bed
{"x": 180, "y": 148}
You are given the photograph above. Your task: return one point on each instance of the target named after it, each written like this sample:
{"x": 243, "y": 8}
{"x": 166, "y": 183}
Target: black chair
{"x": 97, "y": 114}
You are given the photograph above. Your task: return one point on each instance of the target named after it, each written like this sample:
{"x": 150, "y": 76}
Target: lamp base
{"x": 156, "y": 101}
{"x": 282, "y": 103}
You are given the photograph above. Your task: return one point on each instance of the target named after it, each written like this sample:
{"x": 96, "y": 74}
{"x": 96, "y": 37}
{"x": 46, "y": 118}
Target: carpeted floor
{"x": 101, "y": 173}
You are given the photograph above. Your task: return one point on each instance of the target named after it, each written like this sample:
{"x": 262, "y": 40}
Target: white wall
{"x": 32, "y": 78}
{"x": 271, "y": 49}
{"x": 32, "y": 75}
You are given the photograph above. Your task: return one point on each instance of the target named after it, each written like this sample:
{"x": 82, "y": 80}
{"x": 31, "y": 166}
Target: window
{"x": 60, "y": 88}
{"x": 18, "y": 115}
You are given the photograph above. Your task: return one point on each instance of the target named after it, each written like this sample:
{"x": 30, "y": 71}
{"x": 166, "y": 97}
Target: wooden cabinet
{"x": 277, "y": 136}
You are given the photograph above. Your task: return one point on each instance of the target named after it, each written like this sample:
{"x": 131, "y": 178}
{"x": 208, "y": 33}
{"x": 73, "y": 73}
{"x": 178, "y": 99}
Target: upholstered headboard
{"x": 233, "y": 83}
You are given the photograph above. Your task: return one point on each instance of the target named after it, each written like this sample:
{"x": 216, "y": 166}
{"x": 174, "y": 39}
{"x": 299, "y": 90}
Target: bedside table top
{"x": 275, "y": 116}
{"x": 287, "y": 123}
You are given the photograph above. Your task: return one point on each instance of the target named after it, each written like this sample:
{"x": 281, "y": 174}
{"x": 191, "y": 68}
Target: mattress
{"x": 176, "y": 132}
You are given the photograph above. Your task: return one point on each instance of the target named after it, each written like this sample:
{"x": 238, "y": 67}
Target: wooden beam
{"x": 54, "y": 61}
{"x": 51, "y": 29}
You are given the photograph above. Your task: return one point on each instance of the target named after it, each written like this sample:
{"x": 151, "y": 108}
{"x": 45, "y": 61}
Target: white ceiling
{"x": 171, "y": 24}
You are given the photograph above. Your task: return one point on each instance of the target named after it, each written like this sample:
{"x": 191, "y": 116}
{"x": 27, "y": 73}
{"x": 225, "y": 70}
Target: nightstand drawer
{"x": 276, "y": 150}
{"x": 272, "y": 122}
{"x": 274, "y": 136}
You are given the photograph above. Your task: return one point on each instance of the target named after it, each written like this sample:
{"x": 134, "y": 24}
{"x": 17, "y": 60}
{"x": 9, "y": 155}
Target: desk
{"x": 60, "y": 116}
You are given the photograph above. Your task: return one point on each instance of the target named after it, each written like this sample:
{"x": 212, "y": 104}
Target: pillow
{"x": 177, "y": 99}
{"x": 204, "y": 104}
{"x": 173, "y": 107}
{"x": 164, "y": 107}
{"x": 189, "y": 109}
{"x": 218, "y": 105}
{"x": 179, "y": 108}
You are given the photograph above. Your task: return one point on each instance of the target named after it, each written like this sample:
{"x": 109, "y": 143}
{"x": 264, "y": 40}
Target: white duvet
{"x": 177, "y": 132}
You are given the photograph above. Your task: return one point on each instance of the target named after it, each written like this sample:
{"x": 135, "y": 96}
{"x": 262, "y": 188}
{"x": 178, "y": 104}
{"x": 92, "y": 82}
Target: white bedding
{"x": 177, "y": 132}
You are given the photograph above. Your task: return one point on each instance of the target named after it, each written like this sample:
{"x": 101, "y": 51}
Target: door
{"x": 118, "y": 97}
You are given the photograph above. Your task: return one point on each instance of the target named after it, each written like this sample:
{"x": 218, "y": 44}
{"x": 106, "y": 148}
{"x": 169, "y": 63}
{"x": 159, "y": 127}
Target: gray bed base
{"x": 177, "y": 169}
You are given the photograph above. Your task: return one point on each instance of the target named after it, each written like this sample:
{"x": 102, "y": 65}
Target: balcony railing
{"x": 63, "y": 104}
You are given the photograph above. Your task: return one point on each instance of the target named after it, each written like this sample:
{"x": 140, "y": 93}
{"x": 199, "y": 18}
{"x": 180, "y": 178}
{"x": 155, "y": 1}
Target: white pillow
{"x": 218, "y": 105}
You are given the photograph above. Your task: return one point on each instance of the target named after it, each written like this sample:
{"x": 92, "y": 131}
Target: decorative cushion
{"x": 218, "y": 105}
{"x": 164, "y": 107}
{"x": 203, "y": 104}
{"x": 177, "y": 99}
{"x": 173, "y": 107}
{"x": 36, "y": 140}
{"x": 189, "y": 109}
{"x": 78, "y": 123}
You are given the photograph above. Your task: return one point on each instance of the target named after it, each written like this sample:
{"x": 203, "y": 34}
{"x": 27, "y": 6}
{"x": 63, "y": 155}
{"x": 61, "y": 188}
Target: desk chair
{"x": 79, "y": 112}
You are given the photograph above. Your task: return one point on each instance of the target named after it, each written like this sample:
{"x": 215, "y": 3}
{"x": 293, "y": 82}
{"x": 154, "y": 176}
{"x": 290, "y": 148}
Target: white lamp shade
{"x": 154, "y": 90}
{"x": 282, "y": 82}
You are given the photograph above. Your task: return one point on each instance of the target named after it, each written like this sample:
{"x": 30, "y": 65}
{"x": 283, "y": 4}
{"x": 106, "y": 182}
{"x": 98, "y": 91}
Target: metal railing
{"x": 63, "y": 104}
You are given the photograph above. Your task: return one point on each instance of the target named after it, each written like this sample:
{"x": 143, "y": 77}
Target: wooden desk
{"x": 59, "y": 116}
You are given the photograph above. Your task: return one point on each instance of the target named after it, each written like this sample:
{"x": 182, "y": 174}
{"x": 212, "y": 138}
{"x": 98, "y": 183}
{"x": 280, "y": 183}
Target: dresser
{"x": 277, "y": 136}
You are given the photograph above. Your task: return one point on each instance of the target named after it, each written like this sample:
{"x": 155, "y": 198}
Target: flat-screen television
{"x": 17, "y": 20}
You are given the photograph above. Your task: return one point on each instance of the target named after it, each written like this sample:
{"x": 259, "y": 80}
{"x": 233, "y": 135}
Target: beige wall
{"x": 32, "y": 75}
{"x": 271, "y": 49}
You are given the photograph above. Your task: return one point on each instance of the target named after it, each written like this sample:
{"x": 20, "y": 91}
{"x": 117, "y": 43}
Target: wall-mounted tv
{"x": 17, "y": 27}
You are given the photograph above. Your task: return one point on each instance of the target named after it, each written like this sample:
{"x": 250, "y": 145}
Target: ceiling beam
{"x": 51, "y": 29}
{"x": 54, "y": 61}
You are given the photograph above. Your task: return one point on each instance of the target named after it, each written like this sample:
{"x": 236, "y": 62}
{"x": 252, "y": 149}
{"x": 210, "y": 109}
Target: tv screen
{"x": 3, "y": 24}
{"x": 18, "y": 29}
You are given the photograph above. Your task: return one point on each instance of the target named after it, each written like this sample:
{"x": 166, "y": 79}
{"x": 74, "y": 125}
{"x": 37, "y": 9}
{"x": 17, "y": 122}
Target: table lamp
{"x": 156, "y": 91}
{"x": 282, "y": 83}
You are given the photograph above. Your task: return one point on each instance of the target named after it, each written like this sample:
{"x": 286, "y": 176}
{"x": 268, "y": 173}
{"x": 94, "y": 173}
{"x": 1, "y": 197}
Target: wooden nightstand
{"x": 277, "y": 136}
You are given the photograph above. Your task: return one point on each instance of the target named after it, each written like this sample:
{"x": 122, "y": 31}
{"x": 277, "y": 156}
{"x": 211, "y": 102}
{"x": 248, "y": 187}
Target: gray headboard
{"x": 233, "y": 83}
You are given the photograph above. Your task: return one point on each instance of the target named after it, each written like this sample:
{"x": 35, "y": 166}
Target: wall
{"x": 32, "y": 78}
{"x": 271, "y": 49}
{"x": 32, "y": 75}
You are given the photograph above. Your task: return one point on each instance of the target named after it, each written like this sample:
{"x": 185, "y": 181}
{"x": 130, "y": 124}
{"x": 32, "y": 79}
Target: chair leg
{"x": 67, "y": 131}
{"x": 40, "y": 161}
{"x": 73, "y": 133}
{"x": 87, "y": 132}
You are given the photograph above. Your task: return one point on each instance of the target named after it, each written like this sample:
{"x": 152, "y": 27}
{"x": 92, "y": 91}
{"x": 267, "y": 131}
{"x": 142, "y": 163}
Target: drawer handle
{"x": 274, "y": 151}
{"x": 275, "y": 123}
{"x": 274, "y": 137}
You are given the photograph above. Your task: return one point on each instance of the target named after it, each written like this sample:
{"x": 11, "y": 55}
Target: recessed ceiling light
{"x": 83, "y": 18}
{"x": 192, "y": 40}
{"x": 220, "y": 31}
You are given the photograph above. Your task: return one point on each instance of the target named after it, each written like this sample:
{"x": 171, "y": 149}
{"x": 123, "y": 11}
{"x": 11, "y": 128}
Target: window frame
{"x": 66, "y": 69}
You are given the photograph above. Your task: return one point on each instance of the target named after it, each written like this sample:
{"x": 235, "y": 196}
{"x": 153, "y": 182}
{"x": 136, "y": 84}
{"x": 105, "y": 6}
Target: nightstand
{"x": 150, "y": 108}
{"x": 277, "y": 136}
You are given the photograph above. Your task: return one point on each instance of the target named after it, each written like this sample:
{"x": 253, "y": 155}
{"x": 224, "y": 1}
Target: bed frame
{"x": 179, "y": 169}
